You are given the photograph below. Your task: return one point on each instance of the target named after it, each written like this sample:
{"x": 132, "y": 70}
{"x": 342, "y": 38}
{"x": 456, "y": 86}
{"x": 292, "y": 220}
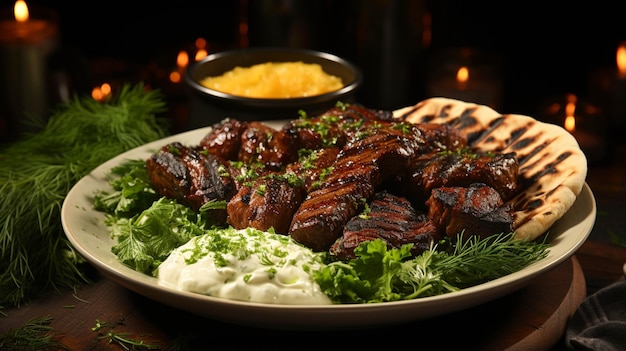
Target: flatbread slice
{"x": 553, "y": 168}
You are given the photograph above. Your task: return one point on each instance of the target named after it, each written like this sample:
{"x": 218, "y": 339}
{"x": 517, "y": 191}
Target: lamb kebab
{"x": 313, "y": 178}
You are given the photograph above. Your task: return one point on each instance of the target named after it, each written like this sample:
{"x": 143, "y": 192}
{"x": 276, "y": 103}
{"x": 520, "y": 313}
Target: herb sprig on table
{"x": 37, "y": 172}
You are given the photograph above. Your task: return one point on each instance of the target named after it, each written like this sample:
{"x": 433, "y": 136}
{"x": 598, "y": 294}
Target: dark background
{"x": 546, "y": 48}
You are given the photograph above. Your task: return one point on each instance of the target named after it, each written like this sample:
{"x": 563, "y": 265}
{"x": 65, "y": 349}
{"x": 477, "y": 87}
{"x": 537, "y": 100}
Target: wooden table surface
{"x": 533, "y": 317}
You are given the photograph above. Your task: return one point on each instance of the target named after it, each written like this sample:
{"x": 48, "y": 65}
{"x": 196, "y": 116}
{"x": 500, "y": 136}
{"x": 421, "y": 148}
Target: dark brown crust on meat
{"x": 392, "y": 219}
{"x": 269, "y": 202}
{"x": 474, "y": 210}
{"x": 191, "y": 177}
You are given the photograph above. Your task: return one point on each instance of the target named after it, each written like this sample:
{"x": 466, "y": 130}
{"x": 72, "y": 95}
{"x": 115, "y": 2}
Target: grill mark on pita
{"x": 521, "y": 144}
{"x": 467, "y": 113}
{"x": 445, "y": 111}
{"x": 428, "y": 118}
{"x": 410, "y": 111}
{"x": 549, "y": 193}
{"x": 484, "y": 136}
{"x": 522, "y": 159}
{"x": 534, "y": 204}
{"x": 496, "y": 122}
{"x": 517, "y": 133}
{"x": 550, "y": 168}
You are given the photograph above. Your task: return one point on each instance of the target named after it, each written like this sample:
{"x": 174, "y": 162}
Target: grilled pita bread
{"x": 553, "y": 168}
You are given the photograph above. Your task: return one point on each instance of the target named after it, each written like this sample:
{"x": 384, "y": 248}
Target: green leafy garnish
{"x": 379, "y": 274}
{"x": 133, "y": 191}
{"x": 144, "y": 241}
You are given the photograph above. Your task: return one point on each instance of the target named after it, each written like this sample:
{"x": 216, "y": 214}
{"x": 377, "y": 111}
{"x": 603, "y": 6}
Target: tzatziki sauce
{"x": 247, "y": 265}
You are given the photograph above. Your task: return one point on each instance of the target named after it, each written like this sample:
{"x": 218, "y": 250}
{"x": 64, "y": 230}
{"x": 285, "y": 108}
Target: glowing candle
{"x": 26, "y": 41}
{"x": 618, "y": 115}
{"x": 466, "y": 75}
{"x": 607, "y": 87}
{"x": 583, "y": 121}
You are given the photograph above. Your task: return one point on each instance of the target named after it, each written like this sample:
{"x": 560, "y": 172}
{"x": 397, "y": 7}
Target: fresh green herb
{"x": 271, "y": 272}
{"x": 133, "y": 191}
{"x": 365, "y": 214}
{"x": 106, "y": 332}
{"x": 37, "y": 172}
{"x": 36, "y": 334}
{"x": 145, "y": 240}
{"x": 342, "y": 105}
{"x": 291, "y": 179}
{"x": 261, "y": 189}
{"x": 379, "y": 274}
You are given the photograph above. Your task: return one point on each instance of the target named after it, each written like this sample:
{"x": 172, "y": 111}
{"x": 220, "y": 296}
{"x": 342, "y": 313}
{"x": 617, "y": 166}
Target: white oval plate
{"x": 87, "y": 232}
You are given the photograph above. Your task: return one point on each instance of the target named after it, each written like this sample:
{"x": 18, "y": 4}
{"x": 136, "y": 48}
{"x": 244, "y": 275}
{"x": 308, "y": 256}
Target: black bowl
{"x": 208, "y": 106}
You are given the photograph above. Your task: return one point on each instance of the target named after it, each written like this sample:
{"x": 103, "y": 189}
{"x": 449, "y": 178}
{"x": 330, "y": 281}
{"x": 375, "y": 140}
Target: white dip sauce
{"x": 249, "y": 265}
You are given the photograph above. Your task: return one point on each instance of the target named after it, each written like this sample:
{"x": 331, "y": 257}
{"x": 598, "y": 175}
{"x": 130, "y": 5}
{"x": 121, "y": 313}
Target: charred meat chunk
{"x": 313, "y": 166}
{"x": 474, "y": 210}
{"x": 191, "y": 177}
{"x": 461, "y": 168}
{"x": 335, "y": 127}
{"x": 268, "y": 202}
{"x": 392, "y": 219}
{"x": 436, "y": 137}
{"x": 357, "y": 172}
{"x": 319, "y": 220}
{"x": 263, "y": 144}
{"x": 224, "y": 138}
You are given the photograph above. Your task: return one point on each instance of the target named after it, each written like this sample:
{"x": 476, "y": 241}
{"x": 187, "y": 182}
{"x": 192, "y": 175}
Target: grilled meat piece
{"x": 474, "y": 210}
{"x": 243, "y": 173}
{"x": 224, "y": 138}
{"x": 263, "y": 144}
{"x": 359, "y": 169}
{"x": 343, "y": 124}
{"x": 435, "y": 137}
{"x": 320, "y": 219}
{"x": 335, "y": 127}
{"x": 313, "y": 167}
{"x": 463, "y": 168}
{"x": 191, "y": 177}
{"x": 392, "y": 219}
{"x": 269, "y": 202}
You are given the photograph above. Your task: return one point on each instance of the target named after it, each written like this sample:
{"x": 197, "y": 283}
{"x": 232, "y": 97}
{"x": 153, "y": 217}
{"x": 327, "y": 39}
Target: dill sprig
{"x": 36, "y": 334}
{"x": 379, "y": 274}
{"x": 106, "y": 332}
{"x": 37, "y": 172}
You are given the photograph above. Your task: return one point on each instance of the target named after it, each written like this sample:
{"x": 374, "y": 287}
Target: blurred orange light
{"x": 200, "y": 43}
{"x": 182, "y": 60}
{"x": 570, "y": 108}
{"x": 20, "y": 10}
{"x": 102, "y": 92}
{"x": 106, "y": 88}
{"x": 201, "y": 54}
{"x": 621, "y": 60}
{"x": 462, "y": 77}
{"x": 175, "y": 77}
{"x": 570, "y": 123}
